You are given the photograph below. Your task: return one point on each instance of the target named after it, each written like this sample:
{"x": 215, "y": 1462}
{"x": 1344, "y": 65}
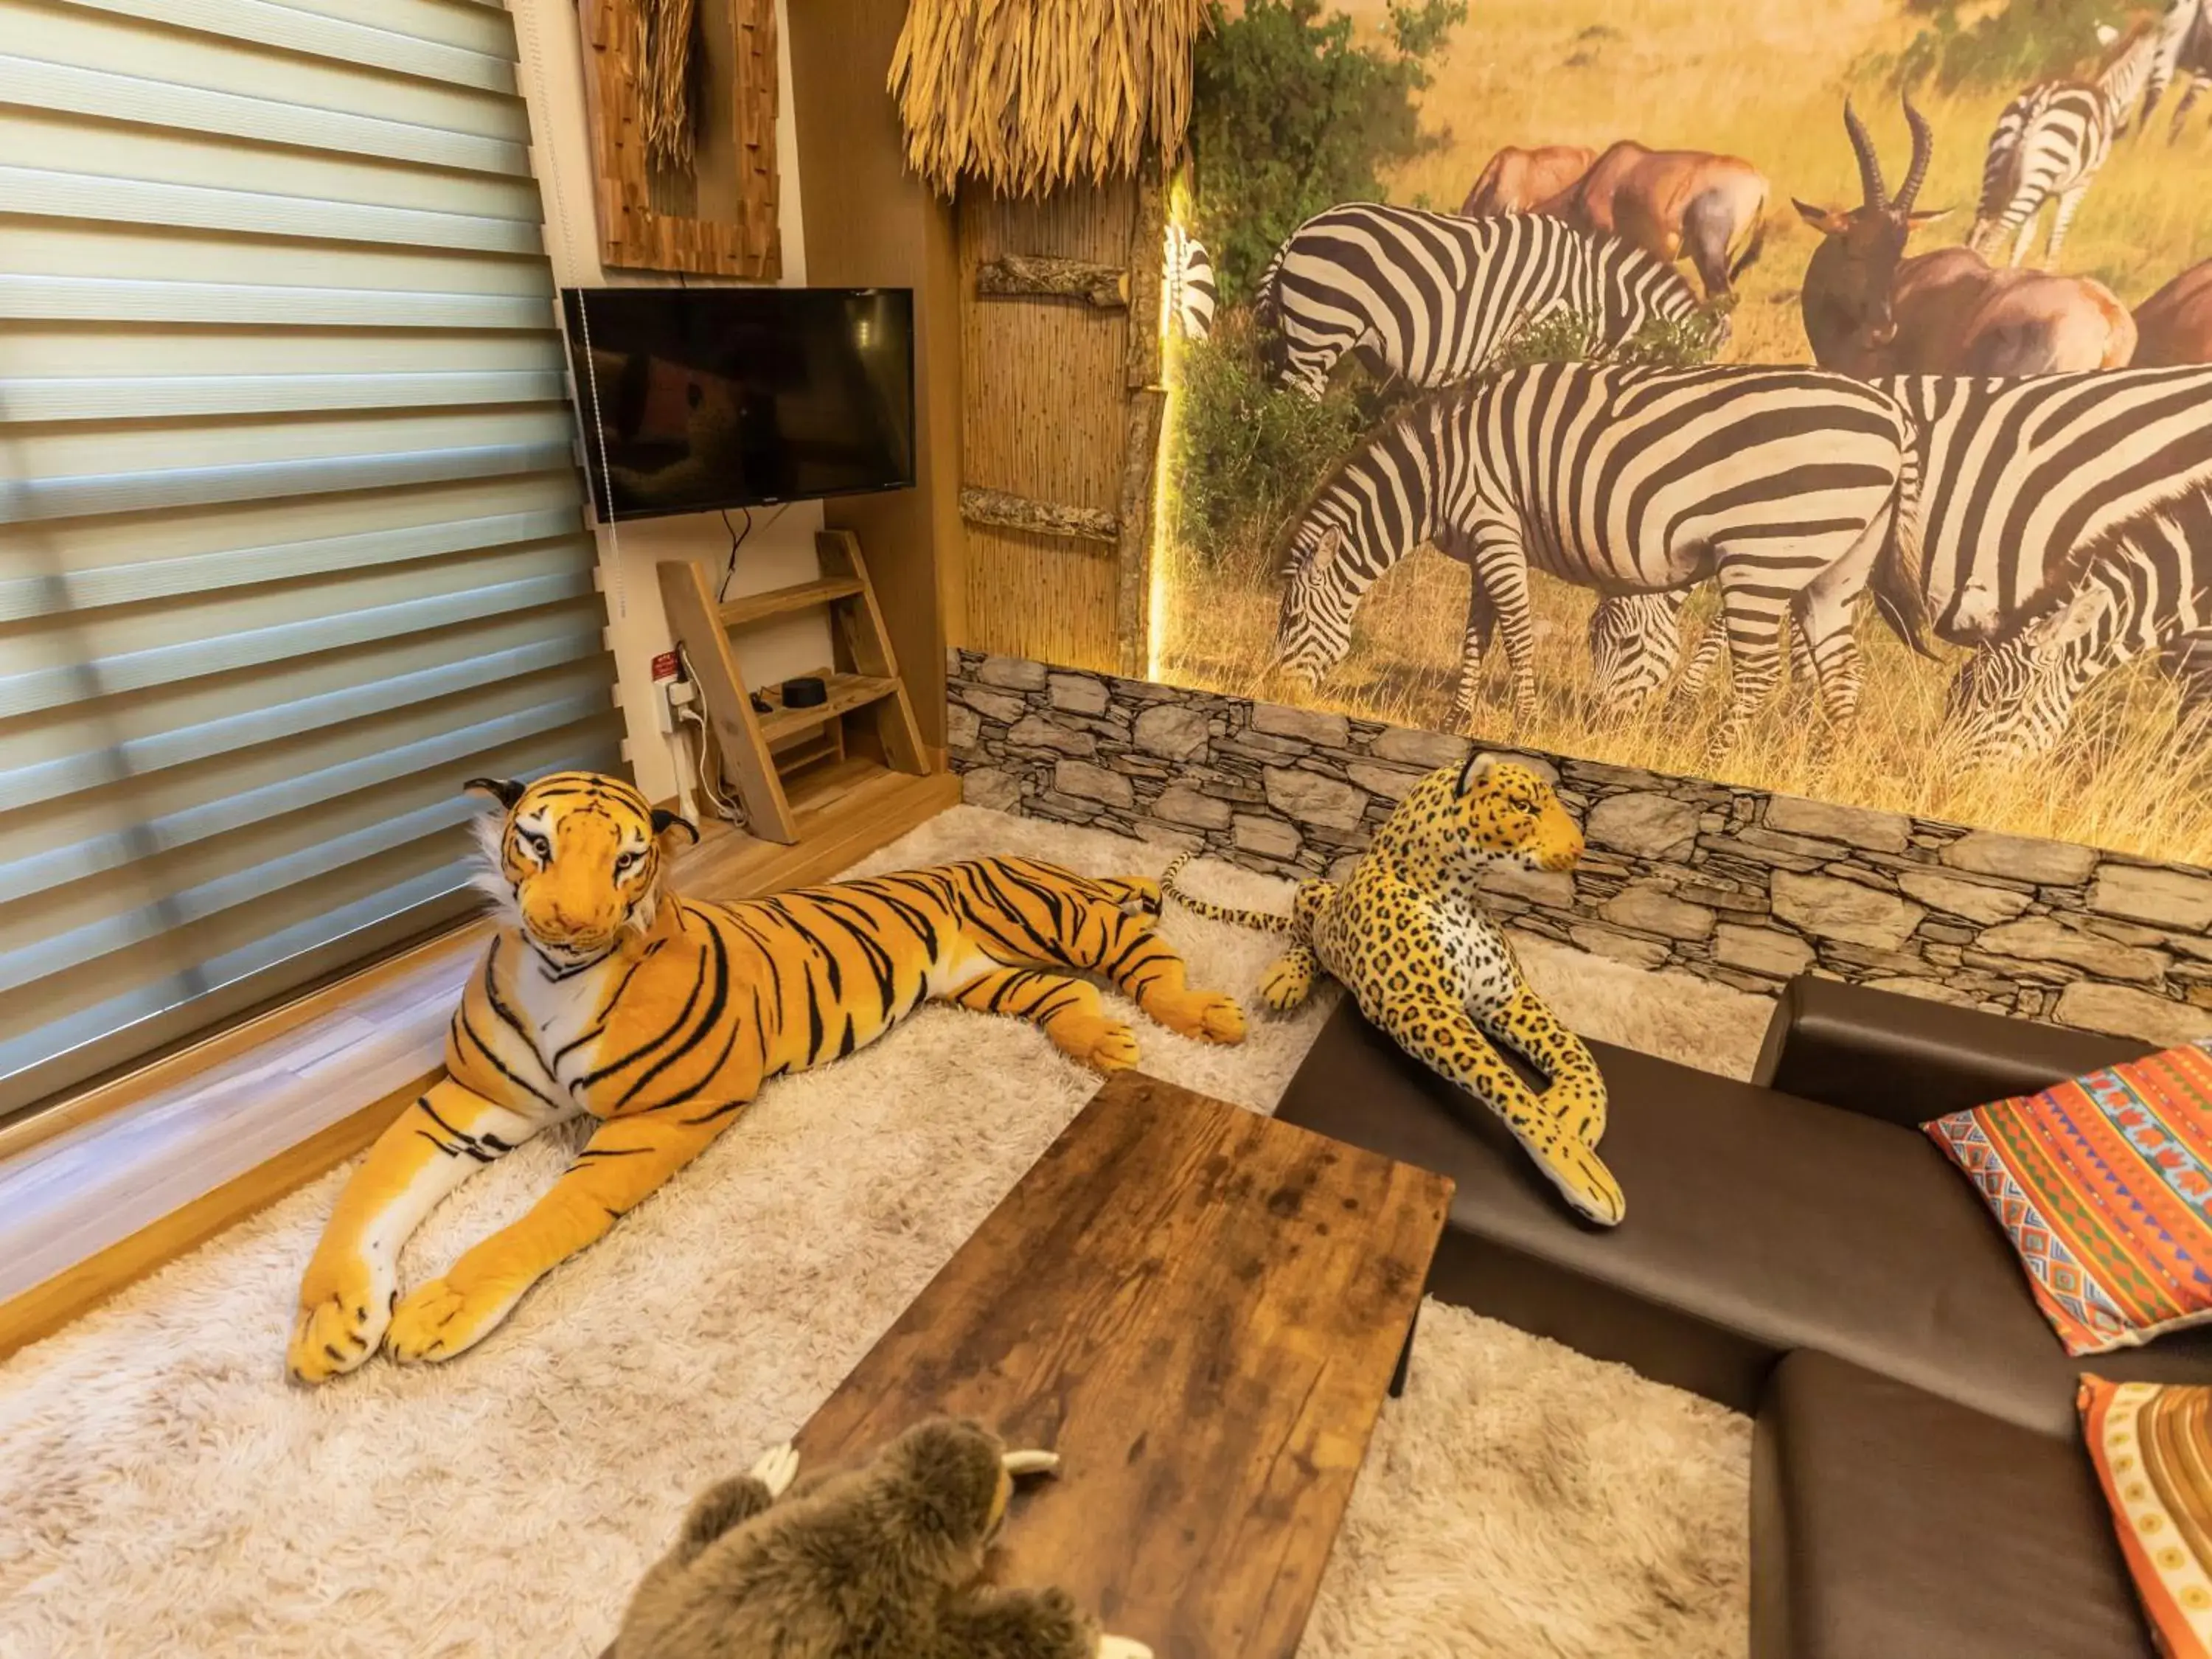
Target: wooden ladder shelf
{"x": 867, "y": 709}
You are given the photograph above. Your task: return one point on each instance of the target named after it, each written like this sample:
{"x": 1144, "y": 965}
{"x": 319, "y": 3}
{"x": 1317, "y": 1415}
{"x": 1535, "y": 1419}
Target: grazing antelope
{"x": 1515, "y": 180}
{"x": 2174, "y": 326}
{"x": 2049, "y": 143}
{"x": 1870, "y": 312}
{"x": 1431, "y": 296}
{"x": 1674, "y": 204}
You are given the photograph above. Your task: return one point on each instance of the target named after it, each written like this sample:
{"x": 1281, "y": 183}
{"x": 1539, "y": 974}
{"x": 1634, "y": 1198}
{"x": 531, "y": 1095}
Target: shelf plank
{"x": 776, "y": 601}
{"x": 847, "y": 693}
{"x": 693, "y": 618}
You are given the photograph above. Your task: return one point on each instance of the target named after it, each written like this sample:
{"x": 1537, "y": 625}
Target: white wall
{"x": 781, "y": 548}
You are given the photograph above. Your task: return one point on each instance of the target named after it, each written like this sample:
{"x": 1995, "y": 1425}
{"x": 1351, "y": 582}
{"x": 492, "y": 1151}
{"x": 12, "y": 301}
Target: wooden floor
{"x": 104, "y": 1190}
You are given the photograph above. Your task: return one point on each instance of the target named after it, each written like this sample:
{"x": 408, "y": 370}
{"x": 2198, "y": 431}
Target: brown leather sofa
{"x": 1796, "y": 1247}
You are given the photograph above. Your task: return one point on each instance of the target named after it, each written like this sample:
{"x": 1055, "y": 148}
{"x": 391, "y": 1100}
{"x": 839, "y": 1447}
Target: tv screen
{"x": 698, "y": 398}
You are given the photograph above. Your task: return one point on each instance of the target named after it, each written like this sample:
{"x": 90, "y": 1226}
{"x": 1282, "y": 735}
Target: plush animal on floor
{"x": 1405, "y": 933}
{"x": 603, "y": 993}
{"x": 879, "y": 1562}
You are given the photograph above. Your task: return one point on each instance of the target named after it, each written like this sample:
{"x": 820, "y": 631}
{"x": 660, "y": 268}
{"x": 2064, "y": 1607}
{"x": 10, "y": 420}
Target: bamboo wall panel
{"x": 721, "y": 219}
{"x": 1043, "y": 413}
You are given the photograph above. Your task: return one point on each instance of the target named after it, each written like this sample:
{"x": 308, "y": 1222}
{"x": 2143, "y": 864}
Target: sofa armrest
{"x": 1905, "y": 1059}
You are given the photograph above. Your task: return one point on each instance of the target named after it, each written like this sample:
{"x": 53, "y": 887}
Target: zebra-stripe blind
{"x": 290, "y": 537}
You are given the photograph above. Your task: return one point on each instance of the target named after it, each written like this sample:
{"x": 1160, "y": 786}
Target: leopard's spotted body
{"x": 1405, "y": 933}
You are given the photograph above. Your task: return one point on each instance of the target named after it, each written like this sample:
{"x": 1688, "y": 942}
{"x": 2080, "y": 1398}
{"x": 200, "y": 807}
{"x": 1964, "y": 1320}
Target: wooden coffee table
{"x": 1200, "y": 1309}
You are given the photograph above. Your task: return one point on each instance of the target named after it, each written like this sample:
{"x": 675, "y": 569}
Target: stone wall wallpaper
{"x": 1727, "y": 883}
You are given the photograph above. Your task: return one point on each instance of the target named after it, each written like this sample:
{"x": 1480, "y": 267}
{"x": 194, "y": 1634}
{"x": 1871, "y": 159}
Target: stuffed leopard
{"x": 1405, "y": 933}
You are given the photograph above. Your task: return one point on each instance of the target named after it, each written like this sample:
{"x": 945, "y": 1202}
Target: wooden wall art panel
{"x": 720, "y": 218}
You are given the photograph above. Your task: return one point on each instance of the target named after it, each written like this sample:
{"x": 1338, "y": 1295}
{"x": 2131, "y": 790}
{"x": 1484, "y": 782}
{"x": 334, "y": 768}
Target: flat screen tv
{"x": 698, "y": 398}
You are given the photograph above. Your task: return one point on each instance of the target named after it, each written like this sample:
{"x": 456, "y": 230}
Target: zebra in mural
{"x": 2185, "y": 53}
{"x": 1433, "y": 296}
{"x": 1190, "y": 291}
{"x": 2016, "y": 479}
{"x": 2146, "y": 588}
{"x": 1777, "y": 483}
{"x": 1635, "y": 642}
{"x": 2017, "y": 475}
{"x": 2049, "y": 143}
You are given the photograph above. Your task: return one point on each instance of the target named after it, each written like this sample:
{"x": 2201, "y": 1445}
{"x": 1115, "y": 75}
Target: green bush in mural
{"x": 1570, "y": 337}
{"x": 1294, "y": 115}
{"x": 1244, "y": 454}
{"x": 2010, "y": 47}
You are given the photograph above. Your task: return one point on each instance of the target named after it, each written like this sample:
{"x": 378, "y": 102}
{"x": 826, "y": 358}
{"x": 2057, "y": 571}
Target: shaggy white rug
{"x": 163, "y": 1491}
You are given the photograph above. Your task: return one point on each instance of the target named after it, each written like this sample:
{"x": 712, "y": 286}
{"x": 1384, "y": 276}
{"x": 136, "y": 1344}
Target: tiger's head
{"x": 576, "y": 860}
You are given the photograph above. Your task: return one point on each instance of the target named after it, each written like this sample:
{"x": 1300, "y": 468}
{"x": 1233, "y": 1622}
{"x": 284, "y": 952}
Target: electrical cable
{"x": 706, "y": 765}
{"x": 712, "y": 784}
{"x": 737, "y": 541}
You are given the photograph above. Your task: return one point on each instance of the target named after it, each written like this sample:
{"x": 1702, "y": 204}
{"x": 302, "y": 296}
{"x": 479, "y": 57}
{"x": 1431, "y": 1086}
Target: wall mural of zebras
{"x": 1698, "y": 442}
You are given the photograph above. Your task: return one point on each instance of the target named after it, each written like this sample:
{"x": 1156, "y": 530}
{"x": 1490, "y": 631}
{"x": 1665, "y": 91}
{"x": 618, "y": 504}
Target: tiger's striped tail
{"x": 1261, "y": 921}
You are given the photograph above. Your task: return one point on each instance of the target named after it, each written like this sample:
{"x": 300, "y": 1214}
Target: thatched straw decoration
{"x": 663, "y": 82}
{"x": 1026, "y": 96}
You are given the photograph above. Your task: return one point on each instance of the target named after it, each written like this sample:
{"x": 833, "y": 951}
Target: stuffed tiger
{"x": 1405, "y": 933}
{"x": 602, "y": 993}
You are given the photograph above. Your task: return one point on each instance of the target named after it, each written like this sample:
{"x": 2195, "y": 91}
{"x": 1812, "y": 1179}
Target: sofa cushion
{"x": 1757, "y": 1222}
{"x": 2148, "y": 1445}
{"x": 2102, "y": 1185}
{"x": 1889, "y": 1523}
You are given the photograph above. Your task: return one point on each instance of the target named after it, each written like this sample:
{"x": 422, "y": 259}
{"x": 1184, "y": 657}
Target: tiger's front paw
{"x": 344, "y": 1304}
{"x": 441, "y": 1319}
{"x": 1105, "y": 1045}
{"x": 1212, "y": 1016}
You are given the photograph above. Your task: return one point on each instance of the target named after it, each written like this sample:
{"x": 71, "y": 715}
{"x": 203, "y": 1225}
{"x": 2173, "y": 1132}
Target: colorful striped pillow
{"x": 2150, "y": 1442}
{"x": 2103, "y": 1185}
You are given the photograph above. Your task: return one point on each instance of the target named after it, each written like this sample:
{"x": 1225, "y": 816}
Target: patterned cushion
{"x": 2152, "y": 1444}
{"x": 2103, "y": 1185}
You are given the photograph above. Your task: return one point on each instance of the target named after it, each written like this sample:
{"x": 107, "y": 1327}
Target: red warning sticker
{"x": 664, "y": 666}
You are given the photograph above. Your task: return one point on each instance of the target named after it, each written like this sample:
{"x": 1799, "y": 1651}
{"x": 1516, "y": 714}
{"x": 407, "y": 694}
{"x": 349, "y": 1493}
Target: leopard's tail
{"x": 1259, "y": 921}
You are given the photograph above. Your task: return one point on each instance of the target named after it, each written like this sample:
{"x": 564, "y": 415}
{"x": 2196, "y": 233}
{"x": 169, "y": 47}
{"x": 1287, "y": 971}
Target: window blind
{"x": 290, "y": 534}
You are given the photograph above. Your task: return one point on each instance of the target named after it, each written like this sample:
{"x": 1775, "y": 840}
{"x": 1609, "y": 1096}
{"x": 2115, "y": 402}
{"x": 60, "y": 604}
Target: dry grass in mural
{"x": 1023, "y": 98}
{"x": 2115, "y": 781}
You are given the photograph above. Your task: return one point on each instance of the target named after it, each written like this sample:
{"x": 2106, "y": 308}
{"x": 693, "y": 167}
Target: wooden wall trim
{"x": 1036, "y": 276}
{"x": 1012, "y": 512}
{"x": 1140, "y": 448}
